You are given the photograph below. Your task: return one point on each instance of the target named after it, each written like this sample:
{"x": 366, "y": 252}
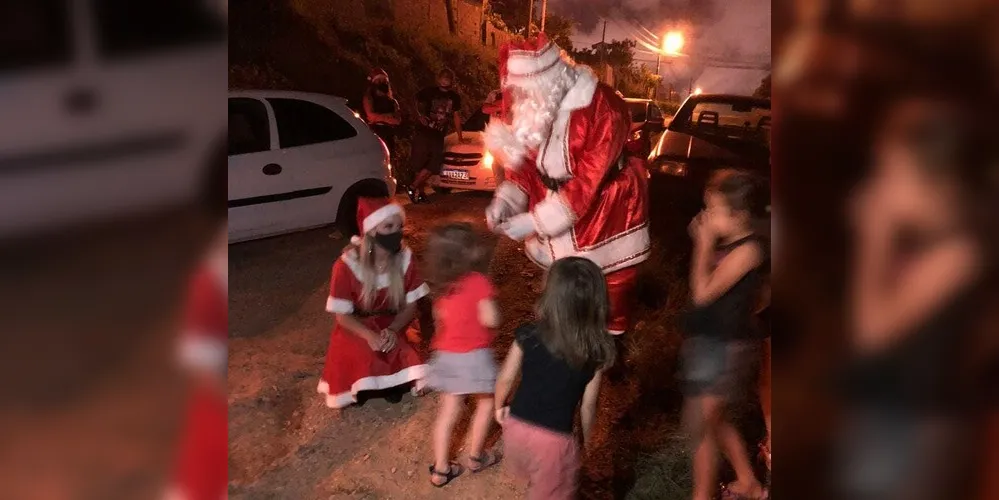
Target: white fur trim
{"x": 200, "y": 352}
{"x": 503, "y": 145}
{"x": 356, "y": 240}
{"x": 512, "y": 195}
{"x": 339, "y": 306}
{"x": 529, "y": 62}
{"x": 380, "y": 215}
{"x": 554, "y": 159}
{"x": 552, "y": 216}
{"x": 418, "y": 293}
{"x": 581, "y": 93}
{"x": 351, "y": 259}
{"x": 616, "y": 253}
{"x": 615, "y": 332}
{"x": 413, "y": 373}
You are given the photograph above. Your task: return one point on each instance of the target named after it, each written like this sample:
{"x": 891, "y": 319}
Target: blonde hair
{"x": 369, "y": 276}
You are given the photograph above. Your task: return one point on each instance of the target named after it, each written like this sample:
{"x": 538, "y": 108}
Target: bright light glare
{"x": 487, "y": 160}
{"x": 673, "y": 42}
{"x": 697, "y": 91}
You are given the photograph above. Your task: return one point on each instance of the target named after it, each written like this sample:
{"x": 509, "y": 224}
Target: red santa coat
{"x": 599, "y": 212}
{"x": 351, "y": 365}
{"x": 202, "y": 464}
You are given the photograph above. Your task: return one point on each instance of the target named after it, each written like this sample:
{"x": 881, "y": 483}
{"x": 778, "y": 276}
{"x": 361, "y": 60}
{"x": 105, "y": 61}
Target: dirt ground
{"x": 285, "y": 443}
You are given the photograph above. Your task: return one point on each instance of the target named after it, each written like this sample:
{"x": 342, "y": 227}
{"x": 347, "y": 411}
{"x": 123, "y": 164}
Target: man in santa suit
{"x": 571, "y": 187}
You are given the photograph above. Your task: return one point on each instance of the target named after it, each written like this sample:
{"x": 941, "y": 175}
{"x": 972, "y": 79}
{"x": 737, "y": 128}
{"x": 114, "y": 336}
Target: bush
{"x": 283, "y": 48}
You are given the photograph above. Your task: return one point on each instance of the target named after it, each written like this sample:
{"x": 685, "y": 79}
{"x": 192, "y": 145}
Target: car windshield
{"x": 639, "y": 111}
{"x": 739, "y": 119}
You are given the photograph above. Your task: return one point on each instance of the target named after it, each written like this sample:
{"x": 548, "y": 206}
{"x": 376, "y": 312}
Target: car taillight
{"x": 673, "y": 168}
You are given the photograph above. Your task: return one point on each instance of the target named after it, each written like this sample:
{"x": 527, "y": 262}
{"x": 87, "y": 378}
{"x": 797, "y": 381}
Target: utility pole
{"x": 544, "y": 12}
{"x": 530, "y": 18}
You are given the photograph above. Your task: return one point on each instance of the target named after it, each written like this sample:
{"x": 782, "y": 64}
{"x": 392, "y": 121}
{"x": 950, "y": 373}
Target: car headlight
{"x": 487, "y": 160}
{"x": 673, "y": 168}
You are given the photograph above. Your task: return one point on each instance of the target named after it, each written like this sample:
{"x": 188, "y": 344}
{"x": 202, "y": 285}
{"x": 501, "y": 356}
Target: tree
{"x": 616, "y": 53}
{"x": 513, "y": 13}
{"x": 559, "y": 30}
{"x": 764, "y": 89}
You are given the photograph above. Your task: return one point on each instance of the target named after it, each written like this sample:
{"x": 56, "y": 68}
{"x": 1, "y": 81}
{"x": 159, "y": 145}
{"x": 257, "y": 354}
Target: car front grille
{"x": 462, "y": 159}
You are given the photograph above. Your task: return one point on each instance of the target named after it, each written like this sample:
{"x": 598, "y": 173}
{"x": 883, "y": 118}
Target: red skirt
{"x": 352, "y": 367}
{"x": 202, "y": 467}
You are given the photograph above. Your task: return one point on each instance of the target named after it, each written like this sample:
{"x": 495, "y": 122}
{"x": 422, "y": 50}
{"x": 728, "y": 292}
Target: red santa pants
{"x": 621, "y": 292}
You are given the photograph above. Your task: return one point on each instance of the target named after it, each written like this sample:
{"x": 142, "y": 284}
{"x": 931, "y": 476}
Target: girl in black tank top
{"x": 720, "y": 354}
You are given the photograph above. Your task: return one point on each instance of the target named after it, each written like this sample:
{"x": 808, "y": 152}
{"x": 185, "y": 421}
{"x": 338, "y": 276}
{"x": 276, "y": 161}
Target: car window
{"x": 639, "y": 111}
{"x": 736, "y": 120}
{"x": 301, "y": 123}
{"x": 654, "y": 113}
{"x": 129, "y": 27}
{"x": 249, "y": 130}
{"x": 36, "y": 33}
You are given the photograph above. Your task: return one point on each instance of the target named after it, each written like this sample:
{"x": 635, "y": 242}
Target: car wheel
{"x": 346, "y": 214}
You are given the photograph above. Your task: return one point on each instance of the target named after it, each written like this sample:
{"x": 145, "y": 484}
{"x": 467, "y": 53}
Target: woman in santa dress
{"x": 373, "y": 293}
{"x": 201, "y": 468}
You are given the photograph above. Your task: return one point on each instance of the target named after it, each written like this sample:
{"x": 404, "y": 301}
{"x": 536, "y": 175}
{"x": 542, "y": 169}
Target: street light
{"x": 672, "y": 43}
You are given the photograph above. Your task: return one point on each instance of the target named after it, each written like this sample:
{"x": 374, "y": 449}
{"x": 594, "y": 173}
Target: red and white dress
{"x": 201, "y": 470}
{"x": 351, "y": 365}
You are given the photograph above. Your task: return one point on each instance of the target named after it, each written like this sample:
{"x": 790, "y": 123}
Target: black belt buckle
{"x": 552, "y": 184}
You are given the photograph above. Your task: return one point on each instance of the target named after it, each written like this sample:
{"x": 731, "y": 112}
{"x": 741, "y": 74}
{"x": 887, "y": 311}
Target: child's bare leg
{"x": 705, "y": 412}
{"x": 480, "y": 425}
{"x": 735, "y": 450}
{"x": 450, "y": 409}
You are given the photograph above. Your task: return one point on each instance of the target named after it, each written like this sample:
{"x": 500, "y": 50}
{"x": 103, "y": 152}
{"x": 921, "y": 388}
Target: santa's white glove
{"x": 519, "y": 227}
{"x": 497, "y": 213}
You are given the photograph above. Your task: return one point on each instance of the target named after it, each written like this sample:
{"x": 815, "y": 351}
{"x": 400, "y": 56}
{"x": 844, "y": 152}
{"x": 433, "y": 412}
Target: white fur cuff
{"x": 513, "y": 196}
{"x": 553, "y": 217}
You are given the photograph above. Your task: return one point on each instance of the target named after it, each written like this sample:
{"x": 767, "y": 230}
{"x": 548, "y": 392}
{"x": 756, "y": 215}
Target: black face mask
{"x": 391, "y": 241}
{"x": 382, "y": 87}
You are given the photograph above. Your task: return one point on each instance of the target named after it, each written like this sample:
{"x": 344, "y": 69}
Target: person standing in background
{"x": 381, "y": 110}
{"x": 437, "y": 106}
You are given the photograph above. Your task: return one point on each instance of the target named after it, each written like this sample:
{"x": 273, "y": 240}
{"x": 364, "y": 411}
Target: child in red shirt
{"x": 463, "y": 363}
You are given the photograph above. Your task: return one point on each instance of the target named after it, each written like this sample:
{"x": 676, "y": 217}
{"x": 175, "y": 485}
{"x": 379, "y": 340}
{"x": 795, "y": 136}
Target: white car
{"x": 467, "y": 165}
{"x": 110, "y": 108}
{"x": 297, "y": 161}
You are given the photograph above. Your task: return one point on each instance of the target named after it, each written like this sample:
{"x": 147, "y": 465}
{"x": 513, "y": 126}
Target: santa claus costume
{"x": 202, "y": 464}
{"x": 352, "y": 365}
{"x": 571, "y": 189}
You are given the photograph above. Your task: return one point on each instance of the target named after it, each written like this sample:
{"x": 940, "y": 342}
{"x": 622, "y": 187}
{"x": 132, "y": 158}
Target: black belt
{"x": 556, "y": 184}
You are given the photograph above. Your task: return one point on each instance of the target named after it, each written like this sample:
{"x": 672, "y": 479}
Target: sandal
{"x": 453, "y": 471}
{"x": 484, "y": 461}
{"x": 728, "y": 494}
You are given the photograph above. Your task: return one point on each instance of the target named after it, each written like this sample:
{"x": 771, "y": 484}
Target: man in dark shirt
{"x": 437, "y": 106}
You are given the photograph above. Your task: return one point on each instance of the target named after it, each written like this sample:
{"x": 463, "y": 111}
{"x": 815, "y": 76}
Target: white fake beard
{"x": 535, "y": 107}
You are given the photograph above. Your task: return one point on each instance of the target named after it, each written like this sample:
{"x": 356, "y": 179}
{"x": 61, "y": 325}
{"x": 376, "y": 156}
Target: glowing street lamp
{"x": 672, "y": 43}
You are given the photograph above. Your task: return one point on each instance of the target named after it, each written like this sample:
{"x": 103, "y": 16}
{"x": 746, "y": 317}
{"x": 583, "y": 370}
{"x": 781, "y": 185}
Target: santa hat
{"x": 374, "y": 211}
{"x": 377, "y": 74}
{"x": 530, "y": 61}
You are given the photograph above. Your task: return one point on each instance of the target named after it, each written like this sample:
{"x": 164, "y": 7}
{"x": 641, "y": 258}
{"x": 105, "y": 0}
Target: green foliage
{"x": 666, "y": 474}
{"x": 559, "y": 30}
{"x": 617, "y": 53}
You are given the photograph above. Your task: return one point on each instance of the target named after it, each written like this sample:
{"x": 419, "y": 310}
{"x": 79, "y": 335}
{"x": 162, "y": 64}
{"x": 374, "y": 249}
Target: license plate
{"x": 455, "y": 174}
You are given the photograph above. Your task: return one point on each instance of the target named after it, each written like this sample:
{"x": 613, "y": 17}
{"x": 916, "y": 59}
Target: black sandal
{"x": 484, "y": 461}
{"x": 453, "y": 471}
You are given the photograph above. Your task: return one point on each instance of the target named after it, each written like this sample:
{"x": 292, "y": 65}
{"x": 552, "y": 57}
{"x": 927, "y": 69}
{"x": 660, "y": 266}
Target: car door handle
{"x": 272, "y": 169}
